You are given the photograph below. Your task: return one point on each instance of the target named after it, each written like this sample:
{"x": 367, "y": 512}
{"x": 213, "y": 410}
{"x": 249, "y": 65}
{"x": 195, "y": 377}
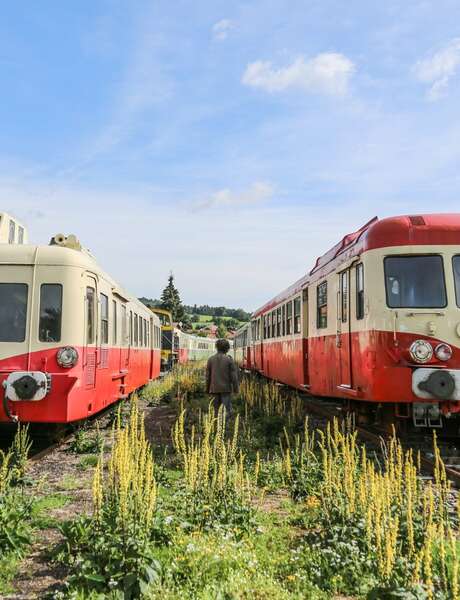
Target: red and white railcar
{"x": 376, "y": 322}
{"x": 72, "y": 341}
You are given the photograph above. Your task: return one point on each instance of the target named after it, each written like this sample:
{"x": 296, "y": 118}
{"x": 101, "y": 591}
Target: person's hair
{"x": 222, "y": 345}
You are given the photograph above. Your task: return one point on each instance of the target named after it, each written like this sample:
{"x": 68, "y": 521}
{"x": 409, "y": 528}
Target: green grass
{"x": 42, "y": 507}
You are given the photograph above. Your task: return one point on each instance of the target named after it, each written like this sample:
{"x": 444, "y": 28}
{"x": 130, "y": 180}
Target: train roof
{"x": 403, "y": 230}
{"x": 60, "y": 256}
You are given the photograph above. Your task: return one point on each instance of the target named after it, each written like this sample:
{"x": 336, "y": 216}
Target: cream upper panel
{"x": 442, "y": 323}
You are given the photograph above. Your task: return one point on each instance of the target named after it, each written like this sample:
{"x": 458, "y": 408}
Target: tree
{"x": 170, "y": 300}
{"x": 221, "y": 331}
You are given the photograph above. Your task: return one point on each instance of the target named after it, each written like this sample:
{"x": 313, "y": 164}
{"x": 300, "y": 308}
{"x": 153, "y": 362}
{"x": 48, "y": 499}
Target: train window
{"x": 278, "y": 322}
{"x": 321, "y": 305}
{"x": 344, "y": 296}
{"x": 274, "y": 324}
{"x": 114, "y": 323}
{"x": 12, "y": 232}
{"x": 104, "y": 319}
{"x": 456, "y": 264}
{"x": 146, "y": 334}
{"x": 130, "y": 327}
{"x": 265, "y": 327}
{"x": 20, "y": 234}
{"x": 283, "y": 320}
{"x": 136, "y": 330}
{"x": 407, "y": 284}
{"x": 289, "y": 318}
{"x": 360, "y": 291}
{"x": 297, "y": 309}
{"x": 13, "y": 312}
{"x": 124, "y": 328}
{"x": 90, "y": 314}
{"x": 49, "y": 326}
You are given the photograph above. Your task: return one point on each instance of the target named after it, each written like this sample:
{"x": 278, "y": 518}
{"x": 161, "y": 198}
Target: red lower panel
{"x": 372, "y": 364}
{"x": 98, "y": 379}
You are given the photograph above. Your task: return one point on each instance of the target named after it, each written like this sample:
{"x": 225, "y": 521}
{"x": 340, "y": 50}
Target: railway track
{"x": 449, "y": 454}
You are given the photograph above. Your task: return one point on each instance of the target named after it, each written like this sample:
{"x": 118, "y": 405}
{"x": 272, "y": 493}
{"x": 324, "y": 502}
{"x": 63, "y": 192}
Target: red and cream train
{"x": 376, "y": 322}
{"x": 71, "y": 340}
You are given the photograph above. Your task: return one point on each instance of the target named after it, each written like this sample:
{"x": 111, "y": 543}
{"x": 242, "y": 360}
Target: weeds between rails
{"x": 233, "y": 512}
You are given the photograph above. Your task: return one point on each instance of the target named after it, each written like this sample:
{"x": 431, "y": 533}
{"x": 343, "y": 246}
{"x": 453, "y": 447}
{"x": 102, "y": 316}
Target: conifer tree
{"x": 170, "y": 300}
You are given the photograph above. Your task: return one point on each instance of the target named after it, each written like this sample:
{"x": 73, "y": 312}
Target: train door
{"x": 305, "y": 336}
{"x": 343, "y": 339}
{"x": 91, "y": 332}
{"x": 153, "y": 340}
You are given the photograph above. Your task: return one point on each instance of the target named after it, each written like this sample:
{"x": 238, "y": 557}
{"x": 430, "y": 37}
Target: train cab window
{"x": 407, "y": 284}
{"x": 344, "y": 296}
{"x": 13, "y": 312}
{"x": 297, "y": 310}
{"x": 321, "y": 305}
{"x": 456, "y": 265}
{"x": 104, "y": 319}
{"x": 278, "y": 322}
{"x": 289, "y": 318}
{"x": 360, "y": 291}
{"x": 90, "y": 314}
{"x": 114, "y": 323}
{"x": 49, "y": 326}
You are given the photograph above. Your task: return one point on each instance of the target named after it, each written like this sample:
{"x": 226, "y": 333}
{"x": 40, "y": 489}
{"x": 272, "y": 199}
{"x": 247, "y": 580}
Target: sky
{"x": 229, "y": 142}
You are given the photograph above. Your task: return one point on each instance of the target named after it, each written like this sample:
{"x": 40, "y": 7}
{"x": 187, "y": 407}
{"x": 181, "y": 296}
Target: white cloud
{"x": 221, "y": 29}
{"x": 327, "y": 73}
{"x": 259, "y": 191}
{"x": 439, "y": 69}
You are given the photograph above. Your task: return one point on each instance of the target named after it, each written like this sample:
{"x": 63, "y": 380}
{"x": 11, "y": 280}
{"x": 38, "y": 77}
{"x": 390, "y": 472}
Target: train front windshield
{"x": 415, "y": 282}
{"x": 13, "y": 312}
{"x": 456, "y": 265}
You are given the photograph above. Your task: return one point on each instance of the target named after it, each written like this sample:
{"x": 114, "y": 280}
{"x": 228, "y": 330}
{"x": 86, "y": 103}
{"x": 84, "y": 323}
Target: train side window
{"x": 274, "y": 324}
{"x": 297, "y": 311}
{"x": 146, "y": 334}
{"x": 130, "y": 327}
{"x": 90, "y": 314}
{"x": 13, "y": 312}
{"x": 360, "y": 291}
{"x": 321, "y": 304}
{"x": 124, "y": 325}
{"x": 104, "y": 319}
{"x": 49, "y": 327}
{"x": 20, "y": 234}
{"x": 136, "y": 331}
{"x": 283, "y": 320}
{"x": 344, "y": 296}
{"x": 114, "y": 323}
{"x": 289, "y": 318}
{"x": 12, "y": 232}
{"x": 278, "y": 322}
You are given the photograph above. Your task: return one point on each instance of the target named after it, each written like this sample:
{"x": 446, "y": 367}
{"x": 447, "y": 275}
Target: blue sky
{"x": 231, "y": 142}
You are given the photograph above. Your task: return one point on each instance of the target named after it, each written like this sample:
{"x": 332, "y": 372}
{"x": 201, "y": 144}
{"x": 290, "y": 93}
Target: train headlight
{"x": 421, "y": 351}
{"x": 67, "y": 357}
{"x": 443, "y": 352}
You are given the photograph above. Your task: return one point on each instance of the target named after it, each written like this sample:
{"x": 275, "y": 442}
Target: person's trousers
{"x": 224, "y": 400}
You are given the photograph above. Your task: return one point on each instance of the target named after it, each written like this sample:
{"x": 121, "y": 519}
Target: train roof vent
{"x": 417, "y": 220}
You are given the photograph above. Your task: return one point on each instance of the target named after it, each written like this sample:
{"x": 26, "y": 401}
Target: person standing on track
{"x": 222, "y": 377}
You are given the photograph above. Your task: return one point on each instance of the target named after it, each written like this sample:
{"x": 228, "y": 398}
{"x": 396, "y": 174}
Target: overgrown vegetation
{"x": 267, "y": 504}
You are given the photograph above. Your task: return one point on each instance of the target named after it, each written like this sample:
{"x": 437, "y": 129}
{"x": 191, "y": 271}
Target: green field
{"x": 203, "y": 319}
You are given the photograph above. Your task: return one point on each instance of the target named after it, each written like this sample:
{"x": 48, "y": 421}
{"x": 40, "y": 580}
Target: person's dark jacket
{"x": 221, "y": 374}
